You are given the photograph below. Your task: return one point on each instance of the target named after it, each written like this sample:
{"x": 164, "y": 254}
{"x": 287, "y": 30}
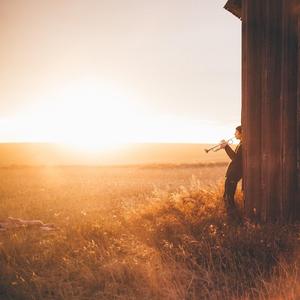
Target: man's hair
{"x": 239, "y": 129}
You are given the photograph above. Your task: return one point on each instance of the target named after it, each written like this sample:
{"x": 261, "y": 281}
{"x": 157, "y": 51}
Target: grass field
{"x": 139, "y": 232}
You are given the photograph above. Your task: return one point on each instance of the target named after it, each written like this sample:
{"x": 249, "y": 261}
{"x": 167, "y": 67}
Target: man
{"x": 235, "y": 169}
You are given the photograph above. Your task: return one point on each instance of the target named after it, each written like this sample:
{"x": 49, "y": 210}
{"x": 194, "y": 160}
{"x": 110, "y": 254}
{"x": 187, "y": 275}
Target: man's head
{"x": 238, "y": 133}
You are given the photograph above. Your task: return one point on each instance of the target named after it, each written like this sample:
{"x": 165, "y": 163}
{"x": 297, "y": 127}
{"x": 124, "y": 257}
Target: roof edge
{"x": 235, "y": 7}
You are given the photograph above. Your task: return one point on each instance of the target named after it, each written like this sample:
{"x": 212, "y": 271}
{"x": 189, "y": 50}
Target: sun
{"x": 85, "y": 115}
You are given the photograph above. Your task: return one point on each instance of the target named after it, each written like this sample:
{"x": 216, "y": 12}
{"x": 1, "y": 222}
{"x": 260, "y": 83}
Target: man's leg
{"x": 230, "y": 188}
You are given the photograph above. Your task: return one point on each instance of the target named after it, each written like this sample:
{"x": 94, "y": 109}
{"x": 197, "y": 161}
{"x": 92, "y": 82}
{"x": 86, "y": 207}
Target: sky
{"x": 119, "y": 71}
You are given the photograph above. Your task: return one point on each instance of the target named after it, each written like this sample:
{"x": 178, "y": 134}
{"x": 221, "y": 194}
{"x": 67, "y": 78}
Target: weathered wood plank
{"x": 251, "y": 104}
{"x": 297, "y": 200}
{"x": 271, "y": 179}
{"x": 289, "y": 110}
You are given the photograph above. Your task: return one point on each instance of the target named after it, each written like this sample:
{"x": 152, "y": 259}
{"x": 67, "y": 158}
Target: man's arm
{"x": 230, "y": 152}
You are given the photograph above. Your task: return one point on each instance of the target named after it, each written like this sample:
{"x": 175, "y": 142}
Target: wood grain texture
{"x": 270, "y": 109}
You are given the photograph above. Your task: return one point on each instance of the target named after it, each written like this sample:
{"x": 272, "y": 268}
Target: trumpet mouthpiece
{"x": 206, "y": 150}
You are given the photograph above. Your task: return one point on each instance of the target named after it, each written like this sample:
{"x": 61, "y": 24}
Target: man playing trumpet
{"x": 235, "y": 169}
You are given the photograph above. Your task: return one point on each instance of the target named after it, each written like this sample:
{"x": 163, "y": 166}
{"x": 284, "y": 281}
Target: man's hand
{"x": 223, "y": 144}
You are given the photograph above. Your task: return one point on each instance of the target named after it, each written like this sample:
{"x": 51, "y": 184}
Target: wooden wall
{"x": 270, "y": 108}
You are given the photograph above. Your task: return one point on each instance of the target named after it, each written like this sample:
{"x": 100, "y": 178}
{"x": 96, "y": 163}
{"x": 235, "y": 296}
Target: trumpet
{"x": 218, "y": 147}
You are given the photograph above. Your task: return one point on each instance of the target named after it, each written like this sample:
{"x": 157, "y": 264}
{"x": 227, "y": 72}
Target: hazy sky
{"x": 125, "y": 70}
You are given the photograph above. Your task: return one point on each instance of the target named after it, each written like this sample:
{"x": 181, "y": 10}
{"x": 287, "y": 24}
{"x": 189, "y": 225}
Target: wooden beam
{"x": 235, "y": 7}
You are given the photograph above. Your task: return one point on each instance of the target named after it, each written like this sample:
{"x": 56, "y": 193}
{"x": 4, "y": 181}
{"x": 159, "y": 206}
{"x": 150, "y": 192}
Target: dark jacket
{"x": 235, "y": 168}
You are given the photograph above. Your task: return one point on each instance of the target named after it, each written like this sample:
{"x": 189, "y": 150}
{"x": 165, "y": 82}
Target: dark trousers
{"x": 230, "y": 188}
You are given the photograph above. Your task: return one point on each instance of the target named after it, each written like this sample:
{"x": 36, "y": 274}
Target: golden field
{"x": 138, "y": 232}
{"x": 43, "y": 154}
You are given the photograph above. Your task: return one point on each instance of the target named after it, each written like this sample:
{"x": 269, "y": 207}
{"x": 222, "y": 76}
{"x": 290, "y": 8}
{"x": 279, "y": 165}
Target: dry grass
{"x": 138, "y": 233}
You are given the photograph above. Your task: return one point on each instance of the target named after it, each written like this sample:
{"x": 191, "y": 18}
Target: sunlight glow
{"x": 91, "y": 117}
{"x": 85, "y": 115}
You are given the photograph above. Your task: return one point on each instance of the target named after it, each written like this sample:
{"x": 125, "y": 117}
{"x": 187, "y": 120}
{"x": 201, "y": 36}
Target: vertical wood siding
{"x": 271, "y": 123}
{"x": 251, "y": 108}
{"x": 289, "y": 111}
{"x": 269, "y": 109}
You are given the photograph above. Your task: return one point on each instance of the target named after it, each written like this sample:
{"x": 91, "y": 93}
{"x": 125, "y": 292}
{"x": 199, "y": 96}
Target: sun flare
{"x": 86, "y": 116}
{"x": 89, "y": 116}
